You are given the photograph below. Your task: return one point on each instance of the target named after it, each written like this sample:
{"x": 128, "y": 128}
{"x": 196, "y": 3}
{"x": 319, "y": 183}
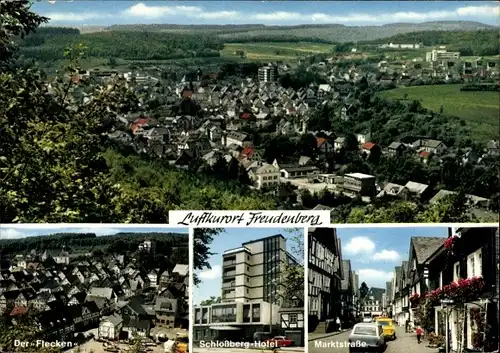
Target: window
{"x": 456, "y": 271}
{"x": 474, "y": 264}
{"x": 293, "y": 319}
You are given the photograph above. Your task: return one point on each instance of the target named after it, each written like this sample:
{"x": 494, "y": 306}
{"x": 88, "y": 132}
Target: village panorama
{"x": 394, "y": 123}
{"x": 76, "y": 291}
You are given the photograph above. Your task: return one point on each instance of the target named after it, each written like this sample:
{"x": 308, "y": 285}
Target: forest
{"x": 48, "y": 44}
{"x": 79, "y": 242}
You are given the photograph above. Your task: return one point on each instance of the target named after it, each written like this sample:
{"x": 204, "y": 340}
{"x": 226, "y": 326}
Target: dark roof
{"x": 346, "y": 267}
{"x": 426, "y": 246}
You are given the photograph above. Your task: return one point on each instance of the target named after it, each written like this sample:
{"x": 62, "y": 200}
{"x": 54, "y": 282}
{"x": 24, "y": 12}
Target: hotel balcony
{"x": 228, "y": 284}
{"x": 229, "y": 295}
{"x": 231, "y": 273}
{"x": 229, "y": 262}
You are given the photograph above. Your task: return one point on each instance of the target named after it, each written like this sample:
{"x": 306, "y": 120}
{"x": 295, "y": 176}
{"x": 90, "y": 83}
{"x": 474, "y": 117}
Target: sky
{"x": 12, "y": 232}
{"x": 374, "y": 252}
{"x": 211, "y": 279}
{"x": 354, "y": 13}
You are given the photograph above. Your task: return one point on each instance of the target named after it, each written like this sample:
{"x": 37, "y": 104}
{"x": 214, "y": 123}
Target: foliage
{"x": 461, "y": 291}
{"x": 297, "y": 243}
{"x": 291, "y": 284}
{"x": 450, "y": 242}
{"x": 25, "y": 330}
{"x": 47, "y": 44}
{"x": 212, "y": 300}
{"x": 477, "y": 109}
{"x": 202, "y": 238}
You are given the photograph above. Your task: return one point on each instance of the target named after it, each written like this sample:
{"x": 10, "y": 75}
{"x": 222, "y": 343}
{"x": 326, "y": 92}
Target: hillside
{"x": 481, "y": 42}
{"x": 49, "y": 43}
{"x": 329, "y": 33}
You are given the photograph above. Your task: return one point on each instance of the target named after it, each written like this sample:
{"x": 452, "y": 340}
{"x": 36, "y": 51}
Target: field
{"x": 479, "y": 109}
{"x": 269, "y": 51}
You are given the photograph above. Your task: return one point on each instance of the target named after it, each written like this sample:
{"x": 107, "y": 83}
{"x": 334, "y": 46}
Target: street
{"x": 405, "y": 342}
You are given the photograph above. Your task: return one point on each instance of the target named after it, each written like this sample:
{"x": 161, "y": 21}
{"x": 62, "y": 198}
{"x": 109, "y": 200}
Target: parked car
{"x": 387, "y": 325}
{"x": 367, "y": 337}
{"x": 279, "y": 341}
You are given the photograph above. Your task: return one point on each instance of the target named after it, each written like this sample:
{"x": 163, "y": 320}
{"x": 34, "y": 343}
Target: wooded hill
{"x": 48, "y": 44}
{"x": 79, "y": 242}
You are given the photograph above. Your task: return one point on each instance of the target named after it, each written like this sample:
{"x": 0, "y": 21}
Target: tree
{"x": 308, "y": 146}
{"x": 202, "y": 238}
{"x": 26, "y": 330}
{"x": 212, "y": 300}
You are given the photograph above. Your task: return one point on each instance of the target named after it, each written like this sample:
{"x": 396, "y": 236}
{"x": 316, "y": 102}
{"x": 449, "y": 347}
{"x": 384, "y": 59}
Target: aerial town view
{"x": 249, "y": 290}
{"x": 94, "y": 290}
{"x": 393, "y": 290}
{"x": 376, "y": 112}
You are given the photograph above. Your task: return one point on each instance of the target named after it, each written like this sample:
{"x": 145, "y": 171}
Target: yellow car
{"x": 389, "y": 329}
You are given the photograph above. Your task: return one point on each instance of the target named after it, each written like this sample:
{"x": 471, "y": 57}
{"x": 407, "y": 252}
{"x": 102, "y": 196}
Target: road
{"x": 405, "y": 342}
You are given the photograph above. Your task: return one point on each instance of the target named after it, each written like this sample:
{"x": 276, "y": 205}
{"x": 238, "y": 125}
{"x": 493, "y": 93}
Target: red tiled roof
{"x": 245, "y": 115}
{"x": 187, "y": 93}
{"x": 18, "y": 310}
{"x": 424, "y": 154}
{"x": 247, "y": 151}
{"x": 138, "y": 123}
{"x": 320, "y": 141}
{"x": 368, "y": 145}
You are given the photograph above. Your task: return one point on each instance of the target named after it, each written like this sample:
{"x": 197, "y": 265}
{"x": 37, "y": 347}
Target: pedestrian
{"x": 407, "y": 324}
{"x": 420, "y": 331}
{"x": 339, "y": 324}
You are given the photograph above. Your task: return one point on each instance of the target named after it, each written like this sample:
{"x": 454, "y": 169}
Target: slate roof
{"x": 426, "y": 246}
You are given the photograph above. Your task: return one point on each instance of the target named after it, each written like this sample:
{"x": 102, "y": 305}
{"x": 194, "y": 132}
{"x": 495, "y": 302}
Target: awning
{"x": 225, "y": 328}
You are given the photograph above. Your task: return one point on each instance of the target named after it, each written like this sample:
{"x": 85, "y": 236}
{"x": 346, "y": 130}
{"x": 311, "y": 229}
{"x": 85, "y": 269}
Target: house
{"x": 430, "y": 146}
{"x": 493, "y": 148}
{"x": 371, "y": 150}
{"x": 180, "y": 270}
{"x": 264, "y": 175}
{"x": 237, "y": 138}
{"x": 394, "y": 190}
{"x": 424, "y": 156}
{"x": 110, "y": 327}
{"x": 417, "y": 190}
{"x": 396, "y": 149}
{"x": 339, "y": 143}
{"x": 298, "y": 171}
{"x": 165, "y": 311}
{"x": 421, "y": 250}
{"x": 363, "y": 138}
{"x": 325, "y": 148}
{"x": 359, "y": 183}
{"x": 466, "y": 261}
{"x": 105, "y": 293}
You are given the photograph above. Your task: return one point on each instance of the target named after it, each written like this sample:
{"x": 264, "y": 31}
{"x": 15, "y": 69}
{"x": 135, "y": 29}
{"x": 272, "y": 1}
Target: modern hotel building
{"x": 250, "y": 293}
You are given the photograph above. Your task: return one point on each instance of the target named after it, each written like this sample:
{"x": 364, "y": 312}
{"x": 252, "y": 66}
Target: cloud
{"x": 214, "y": 273}
{"x": 144, "y": 11}
{"x": 151, "y": 12}
{"x": 386, "y": 255}
{"x": 373, "y": 277}
{"x": 359, "y": 246}
{"x": 11, "y": 233}
{"x": 75, "y": 17}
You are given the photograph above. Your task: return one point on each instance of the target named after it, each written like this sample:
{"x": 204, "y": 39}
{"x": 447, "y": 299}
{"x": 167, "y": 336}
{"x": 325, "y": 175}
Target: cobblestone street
{"x": 405, "y": 343}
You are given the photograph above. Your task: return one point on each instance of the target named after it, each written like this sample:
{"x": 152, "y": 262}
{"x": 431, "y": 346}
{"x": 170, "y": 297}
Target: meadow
{"x": 480, "y": 110}
{"x": 275, "y": 51}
